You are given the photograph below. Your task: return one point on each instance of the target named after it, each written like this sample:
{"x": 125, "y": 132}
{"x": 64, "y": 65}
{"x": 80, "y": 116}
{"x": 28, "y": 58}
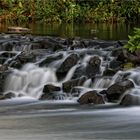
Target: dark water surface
{"x": 104, "y": 31}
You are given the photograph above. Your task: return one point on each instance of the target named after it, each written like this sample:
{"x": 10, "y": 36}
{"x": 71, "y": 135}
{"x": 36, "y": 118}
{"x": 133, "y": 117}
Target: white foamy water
{"x": 30, "y": 80}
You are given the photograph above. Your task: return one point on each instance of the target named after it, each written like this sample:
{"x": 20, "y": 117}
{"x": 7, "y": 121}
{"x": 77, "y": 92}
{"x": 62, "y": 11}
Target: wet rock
{"x": 47, "y": 43}
{"x": 50, "y": 88}
{"x": 51, "y": 92}
{"x": 121, "y": 57}
{"x": 26, "y": 56}
{"x": 116, "y": 52}
{"x": 91, "y": 97}
{"x": 115, "y": 91}
{"x": 78, "y": 44}
{"x": 80, "y": 71}
{"x": 116, "y": 65}
{"x": 3, "y": 68}
{"x": 101, "y": 43}
{"x": 109, "y": 72}
{"x": 131, "y": 97}
{"x": 69, "y": 85}
{"x": 7, "y": 95}
{"x": 76, "y": 91}
{"x": 93, "y": 67}
{"x": 49, "y": 59}
{"x": 126, "y": 56}
{"x": 23, "y": 58}
{"x": 68, "y": 63}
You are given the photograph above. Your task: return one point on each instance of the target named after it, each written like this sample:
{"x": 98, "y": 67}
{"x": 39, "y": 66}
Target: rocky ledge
{"x": 92, "y": 71}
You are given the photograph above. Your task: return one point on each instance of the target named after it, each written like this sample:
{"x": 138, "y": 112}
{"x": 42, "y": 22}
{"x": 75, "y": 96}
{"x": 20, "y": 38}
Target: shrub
{"x": 134, "y": 41}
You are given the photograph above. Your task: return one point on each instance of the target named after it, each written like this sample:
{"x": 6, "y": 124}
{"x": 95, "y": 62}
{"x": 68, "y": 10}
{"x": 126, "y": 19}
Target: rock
{"x": 50, "y": 44}
{"x": 23, "y": 58}
{"x": 50, "y": 88}
{"x": 3, "y": 68}
{"x": 126, "y": 56}
{"x": 68, "y": 63}
{"x": 51, "y": 92}
{"x": 78, "y": 44}
{"x": 109, "y": 72}
{"x": 7, "y": 95}
{"x": 69, "y": 85}
{"x": 91, "y": 97}
{"x": 121, "y": 57}
{"x": 101, "y": 43}
{"x": 76, "y": 91}
{"x": 132, "y": 97}
{"x": 80, "y": 71}
{"x": 93, "y": 66}
{"x": 116, "y": 52}
{"x": 49, "y": 59}
{"x": 115, "y": 65}
{"x": 26, "y": 56}
{"x": 115, "y": 91}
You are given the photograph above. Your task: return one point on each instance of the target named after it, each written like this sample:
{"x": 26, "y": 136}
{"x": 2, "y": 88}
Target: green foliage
{"x": 70, "y": 10}
{"x": 134, "y": 41}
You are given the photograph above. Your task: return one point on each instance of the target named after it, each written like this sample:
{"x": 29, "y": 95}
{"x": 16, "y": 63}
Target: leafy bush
{"x": 134, "y": 41}
{"x": 70, "y": 10}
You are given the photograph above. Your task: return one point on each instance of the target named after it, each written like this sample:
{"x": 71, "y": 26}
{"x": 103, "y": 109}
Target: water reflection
{"x": 102, "y": 31}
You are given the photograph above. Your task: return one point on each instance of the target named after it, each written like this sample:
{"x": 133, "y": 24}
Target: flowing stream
{"x": 26, "y": 117}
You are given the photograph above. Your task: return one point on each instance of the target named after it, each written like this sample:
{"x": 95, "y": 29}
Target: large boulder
{"x": 115, "y": 91}
{"x": 93, "y": 66}
{"x": 91, "y": 97}
{"x": 69, "y": 85}
{"x": 68, "y": 63}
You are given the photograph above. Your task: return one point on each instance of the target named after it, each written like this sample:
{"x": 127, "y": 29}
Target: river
{"x": 118, "y": 31}
{"x": 25, "y": 117}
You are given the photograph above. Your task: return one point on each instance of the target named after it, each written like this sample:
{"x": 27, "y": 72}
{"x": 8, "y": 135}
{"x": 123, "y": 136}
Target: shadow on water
{"x": 118, "y": 31}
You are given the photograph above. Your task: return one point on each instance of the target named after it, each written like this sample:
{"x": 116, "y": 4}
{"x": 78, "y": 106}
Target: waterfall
{"x": 30, "y": 80}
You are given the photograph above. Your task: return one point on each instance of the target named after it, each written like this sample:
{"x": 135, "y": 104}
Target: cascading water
{"x": 30, "y": 80}
{"x": 32, "y": 77}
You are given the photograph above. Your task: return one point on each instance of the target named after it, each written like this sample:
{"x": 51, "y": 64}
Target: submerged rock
{"x": 115, "y": 91}
{"x": 91, "y": 97}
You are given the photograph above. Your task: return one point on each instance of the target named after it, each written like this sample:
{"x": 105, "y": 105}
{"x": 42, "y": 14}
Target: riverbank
{"x": 70, "y": 11}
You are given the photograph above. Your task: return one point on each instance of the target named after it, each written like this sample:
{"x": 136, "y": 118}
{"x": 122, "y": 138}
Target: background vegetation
{"x": 70, "y": 10}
